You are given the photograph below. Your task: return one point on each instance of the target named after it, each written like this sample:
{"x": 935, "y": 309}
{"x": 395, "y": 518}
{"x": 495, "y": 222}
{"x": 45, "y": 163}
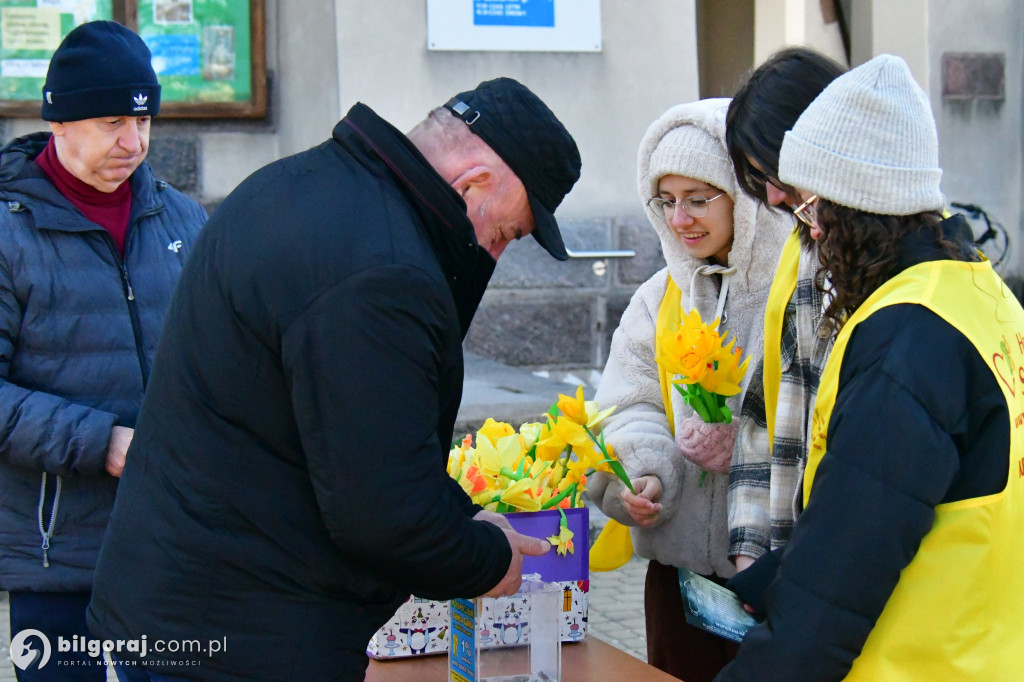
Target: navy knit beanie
{"x": 100, "y": 69}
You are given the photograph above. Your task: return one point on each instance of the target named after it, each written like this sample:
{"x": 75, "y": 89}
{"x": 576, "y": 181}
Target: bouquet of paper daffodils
{"x": 542, "y": 466}
{"x": 707, "y": 370}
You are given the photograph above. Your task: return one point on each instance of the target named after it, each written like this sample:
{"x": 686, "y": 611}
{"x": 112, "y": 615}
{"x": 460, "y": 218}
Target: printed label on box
{"x": 421, "y": 626}
{"x": 462, "y": 655}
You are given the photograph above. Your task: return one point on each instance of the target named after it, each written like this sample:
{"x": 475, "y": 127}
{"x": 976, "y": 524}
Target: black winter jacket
{"x": 287, "y": 486}
{"x": 78, "y": 331}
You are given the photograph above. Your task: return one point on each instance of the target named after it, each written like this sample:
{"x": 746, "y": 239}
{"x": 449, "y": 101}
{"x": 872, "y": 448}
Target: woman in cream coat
{"x": 721, "y": 249}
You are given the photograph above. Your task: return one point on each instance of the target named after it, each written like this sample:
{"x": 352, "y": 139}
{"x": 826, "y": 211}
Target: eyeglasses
{"x": 807, "y": 212}
{"x": 758, "y": 177}
{"x": 695, "y": 207}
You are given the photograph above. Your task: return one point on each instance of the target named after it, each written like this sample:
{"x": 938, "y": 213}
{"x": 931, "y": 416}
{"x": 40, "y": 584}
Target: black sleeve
{"x": 750, "y": 583}
{"x": 915, "y": 402}
{"x": 363, "y": 364}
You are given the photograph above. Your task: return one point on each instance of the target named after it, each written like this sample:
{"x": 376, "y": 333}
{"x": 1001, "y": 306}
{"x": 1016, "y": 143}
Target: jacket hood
{"x": 757, "y": 231}
{"x": 16, "y": 171}
{"x": 24, "y": 181}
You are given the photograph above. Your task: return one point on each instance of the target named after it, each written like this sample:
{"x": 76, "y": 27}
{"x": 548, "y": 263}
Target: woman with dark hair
{"x": 903, "y": 562}
{"x": 761, "y": 112}
{"x": 773, "y": 430}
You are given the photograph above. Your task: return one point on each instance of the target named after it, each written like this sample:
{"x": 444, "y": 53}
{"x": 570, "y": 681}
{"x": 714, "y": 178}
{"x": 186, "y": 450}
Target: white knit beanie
{"x": 692, "y": 152}
{"x": 868, "y": 142}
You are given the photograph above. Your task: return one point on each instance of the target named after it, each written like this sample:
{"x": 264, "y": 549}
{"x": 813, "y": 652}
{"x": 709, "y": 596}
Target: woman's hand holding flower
{"x": 643, "y": 505}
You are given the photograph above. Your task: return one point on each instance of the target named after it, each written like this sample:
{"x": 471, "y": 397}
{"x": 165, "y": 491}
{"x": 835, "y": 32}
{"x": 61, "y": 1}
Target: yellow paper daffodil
{"x": 563, "y": 541}
{"x": 543, "y": 466}
{"x": 575, "y": 471}
{"x": 673, "y": 343}
{"x": 530, "y": 432}
{"x": 456, "y": 458}
{"x": 521, "y": 496}
{"x": 550, "y": 446}
{"x": 570, "y": 432}
{"x": 574, "y": 409}
{"x": 706, "y": 369}
{"x": 596, "y": 415}
{"x": 504, "y": 453}
{"x": 728, "y": 373}
{"x": 494, "y": 430}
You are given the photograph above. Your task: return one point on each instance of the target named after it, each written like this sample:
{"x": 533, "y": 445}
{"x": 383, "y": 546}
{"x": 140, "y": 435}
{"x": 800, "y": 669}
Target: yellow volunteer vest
{"x": 783, "y": 286}
{"x": 957, "y": 612}
{"x": 613, "y": 547}
{"x": 669, "y": 317}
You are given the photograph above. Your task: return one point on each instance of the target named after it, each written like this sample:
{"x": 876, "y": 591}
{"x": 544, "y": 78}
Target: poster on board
{"x": 30, "y": 30}
{"x": 209, "y": 55}
{"x": 200, "y": 48}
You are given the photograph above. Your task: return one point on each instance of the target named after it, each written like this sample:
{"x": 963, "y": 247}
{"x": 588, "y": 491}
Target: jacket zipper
{"x": 46, "y": 530}
{"x": 129, "y": 295}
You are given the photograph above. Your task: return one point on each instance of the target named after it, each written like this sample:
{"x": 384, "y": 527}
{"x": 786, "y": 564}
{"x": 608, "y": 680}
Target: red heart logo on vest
{"x": 998, "y": 360}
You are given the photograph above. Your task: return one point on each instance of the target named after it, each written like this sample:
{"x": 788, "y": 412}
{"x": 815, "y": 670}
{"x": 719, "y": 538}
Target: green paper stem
{"x": 710, "y": 407}
{"x": 615, "y": 465}
{"x": 508, "y": 473}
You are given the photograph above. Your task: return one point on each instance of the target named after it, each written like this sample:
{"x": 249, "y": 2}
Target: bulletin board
{"x": 209, "y": 55}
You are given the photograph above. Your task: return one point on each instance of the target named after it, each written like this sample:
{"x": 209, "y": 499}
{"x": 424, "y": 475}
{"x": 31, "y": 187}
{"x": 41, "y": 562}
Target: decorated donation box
{"x": 422, "y": 626}
{"x": 536, "y": 477}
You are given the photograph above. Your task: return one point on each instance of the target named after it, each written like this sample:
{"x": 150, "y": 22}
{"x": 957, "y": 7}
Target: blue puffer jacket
{"x": 78, "y": 330}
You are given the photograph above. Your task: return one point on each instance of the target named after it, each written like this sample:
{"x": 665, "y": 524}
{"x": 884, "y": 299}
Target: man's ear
{"x": 476, "y": 176}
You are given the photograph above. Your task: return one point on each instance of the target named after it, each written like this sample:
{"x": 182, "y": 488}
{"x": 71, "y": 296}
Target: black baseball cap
{"x": 521, "y": 129}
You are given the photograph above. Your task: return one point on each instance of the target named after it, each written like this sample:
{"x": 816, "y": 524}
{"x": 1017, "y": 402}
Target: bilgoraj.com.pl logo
{"x": 31, "y": 648}
{"x": 23, "y": 653}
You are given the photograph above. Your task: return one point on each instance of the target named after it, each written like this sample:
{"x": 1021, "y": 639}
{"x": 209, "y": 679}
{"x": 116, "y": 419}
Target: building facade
{"x": 322, "y": 56}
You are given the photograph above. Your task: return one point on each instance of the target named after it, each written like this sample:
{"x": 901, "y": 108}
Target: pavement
{"x": 513, "y": 395}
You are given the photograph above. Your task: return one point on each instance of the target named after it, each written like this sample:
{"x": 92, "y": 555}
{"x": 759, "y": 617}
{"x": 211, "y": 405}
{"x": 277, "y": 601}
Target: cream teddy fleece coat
{"x": 692, "y": 529}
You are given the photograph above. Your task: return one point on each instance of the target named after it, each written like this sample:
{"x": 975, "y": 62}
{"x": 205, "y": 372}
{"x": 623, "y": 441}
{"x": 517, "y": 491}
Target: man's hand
{"x": 643, "y": 507}
{"x": 497, "y": 519}
{"x": 120, "y": 439}
{"x": 522, "y": 545}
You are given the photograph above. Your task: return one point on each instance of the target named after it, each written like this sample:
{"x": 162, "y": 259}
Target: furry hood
{"x": 757, "y": 231}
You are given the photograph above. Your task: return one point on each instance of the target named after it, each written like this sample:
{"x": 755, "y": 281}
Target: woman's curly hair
{"x": 861, "y": 251}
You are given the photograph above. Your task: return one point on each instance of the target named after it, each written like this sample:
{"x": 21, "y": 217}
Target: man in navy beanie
{"x": 91, "y": 246}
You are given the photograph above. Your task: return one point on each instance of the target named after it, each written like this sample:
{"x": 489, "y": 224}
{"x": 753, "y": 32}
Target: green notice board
{"x": 209, "y": 55}
{"x": 200, "y": 48}
{"x": 30, "y": 30}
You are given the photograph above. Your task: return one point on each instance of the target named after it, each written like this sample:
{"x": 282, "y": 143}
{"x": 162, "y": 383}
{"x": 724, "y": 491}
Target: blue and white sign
{"x": 514, "y": 25}
{"x": 174, "y": 55}
{"x": 514, "y": 13}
